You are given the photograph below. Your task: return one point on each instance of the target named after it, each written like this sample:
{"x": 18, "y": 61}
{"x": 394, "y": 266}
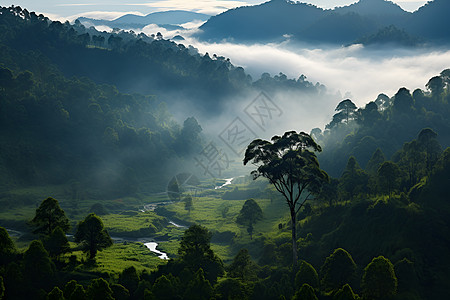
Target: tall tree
{"x": 92, "y": 235}
{"x": 347, "y": 108}
{"x": 289, "y": 163}
{"x": 49, "y": 215}
{"x": 250, "y": 213}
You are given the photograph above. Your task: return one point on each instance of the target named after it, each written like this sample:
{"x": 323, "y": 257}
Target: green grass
{"x": 125, "y": 220}
{"x": 120, "y": 256}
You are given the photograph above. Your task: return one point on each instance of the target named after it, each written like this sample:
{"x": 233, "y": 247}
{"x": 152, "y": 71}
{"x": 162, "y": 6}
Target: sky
{"x": 111, "y": 9}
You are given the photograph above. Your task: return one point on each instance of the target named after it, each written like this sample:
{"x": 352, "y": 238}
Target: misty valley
{"x": 159, "y": 157}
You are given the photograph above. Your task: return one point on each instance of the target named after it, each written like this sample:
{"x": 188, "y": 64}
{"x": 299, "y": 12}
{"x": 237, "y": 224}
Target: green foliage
{"x": 49, "y": 216}
{"x": 57, "y": 243}
{"x": 249, "y": 215}
{"x": 196, "y": 252}
{"x": 120, "y": 292}
{"x": 388, "y": 176}
{"x": 92, "y": 235}
{"x": 129, "y": 278}
{"x": 290, "y": 165}
{"x": 306, "y": 275}
{"x": 375, "y": 162}
{"x": 56, "y": 294}
{"x": 99, "y": 289}
{"x": 306, "y": 292}
{"x": 166, "y": 287}
{"x": 354, "y": 180}
{"x": 188, "y": 203}
{"x": 379, "y": 280}
{"x": 198, "y": 287}
{"x": 229, "y": 289}
{"x": 242, "y": 266}
{"x": 38, "y": 268}
{"x": 345, "y": 293}
{"x": 7, "y": 247}
{"x": 338, "y": 269}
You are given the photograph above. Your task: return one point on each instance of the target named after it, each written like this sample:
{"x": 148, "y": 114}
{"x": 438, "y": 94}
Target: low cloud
{"x": 362, "y": 72}
{"x": 211, "y": 7}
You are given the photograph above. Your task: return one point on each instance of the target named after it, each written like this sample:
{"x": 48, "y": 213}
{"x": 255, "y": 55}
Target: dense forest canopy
{"x": 88, "y": 142}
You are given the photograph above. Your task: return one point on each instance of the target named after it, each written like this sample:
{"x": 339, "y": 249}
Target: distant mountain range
{"x": 167, "y": 19}
{"x": 278, "y": 19}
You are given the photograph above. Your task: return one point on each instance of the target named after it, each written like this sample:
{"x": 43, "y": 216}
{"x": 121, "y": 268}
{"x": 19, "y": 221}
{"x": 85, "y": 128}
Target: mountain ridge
{"x": 272, "y": 20}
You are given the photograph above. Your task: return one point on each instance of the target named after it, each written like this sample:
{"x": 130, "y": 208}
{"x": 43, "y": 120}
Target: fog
{"x": 361, "y": 72}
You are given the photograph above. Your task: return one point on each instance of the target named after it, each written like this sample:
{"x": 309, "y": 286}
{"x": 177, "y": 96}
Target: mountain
{"x": 432, "y": 21}
{"x": 277, "y": 19}
{"x": 373, "y": 7}
{"x": 173, "y": 17}
{"x": 264, "y": 22}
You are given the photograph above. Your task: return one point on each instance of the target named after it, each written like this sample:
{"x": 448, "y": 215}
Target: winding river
{"x": 152, "y": 247}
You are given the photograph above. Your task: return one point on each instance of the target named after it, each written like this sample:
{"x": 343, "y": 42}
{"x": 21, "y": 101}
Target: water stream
{"x": 152, "y": 247}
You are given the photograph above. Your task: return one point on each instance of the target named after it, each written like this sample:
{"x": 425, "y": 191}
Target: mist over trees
{"x": 367, "y": 197}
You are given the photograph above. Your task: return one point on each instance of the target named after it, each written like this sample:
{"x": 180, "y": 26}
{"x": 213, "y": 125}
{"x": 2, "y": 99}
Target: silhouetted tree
{"x": 250, "y": 213}
{"x": 49, "y": 215}
{"x": 291, "y": 167}
{"x": 92, "y": 235}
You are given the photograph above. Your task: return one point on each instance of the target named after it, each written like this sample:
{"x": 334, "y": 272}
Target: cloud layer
{"x": 362, "y": 72}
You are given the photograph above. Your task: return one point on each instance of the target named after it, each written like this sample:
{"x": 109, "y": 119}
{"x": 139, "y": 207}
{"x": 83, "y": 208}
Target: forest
{"x": 101, "y": 197}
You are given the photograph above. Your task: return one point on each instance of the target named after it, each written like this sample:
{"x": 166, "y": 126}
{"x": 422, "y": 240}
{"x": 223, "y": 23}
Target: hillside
{"x": 340, "y": 26}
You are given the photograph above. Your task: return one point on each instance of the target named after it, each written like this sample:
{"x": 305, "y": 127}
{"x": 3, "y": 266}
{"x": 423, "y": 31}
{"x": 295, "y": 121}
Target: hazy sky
{"x": 61, "y": 9}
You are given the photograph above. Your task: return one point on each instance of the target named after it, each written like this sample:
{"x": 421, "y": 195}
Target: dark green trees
{"x": 92, "y": 235}
{"x": 242, "y": 266}
{"x": 354, "y": 179}
{"x": 249, "y": 215}
{"x": 7, "y": 247}
{"x": 388, "y": 176}
{"x": 346, "y": 111}
{"x": 379, "y": 280}
{"x": 306, "y": 275}
{"x": 57, "y": 243}
{"x": 338, "y": 269}
{"x": 290, "y": 164}
{"x": 188, "y": 203}
{"x": 49, "y": 216}
{"x": 38, "y": 268}
{"x": 195, "y": 251}
{"x": 375, "y": 162}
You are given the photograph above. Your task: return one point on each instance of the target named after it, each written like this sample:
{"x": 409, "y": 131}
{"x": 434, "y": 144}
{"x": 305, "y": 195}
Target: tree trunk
{"x": 294, "y": 239}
